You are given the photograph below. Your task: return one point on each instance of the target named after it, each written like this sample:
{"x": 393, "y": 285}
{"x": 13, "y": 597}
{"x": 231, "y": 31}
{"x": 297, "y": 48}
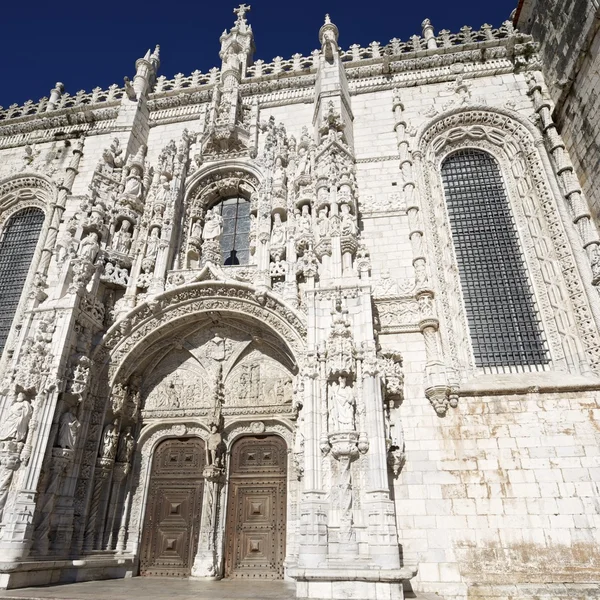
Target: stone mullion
{"x": 59, "y": 207}
{"x": 580, "y": 212}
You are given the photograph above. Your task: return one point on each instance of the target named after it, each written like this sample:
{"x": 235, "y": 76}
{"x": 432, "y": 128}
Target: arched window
{"x": 503, "y": 321}
{"x": 18, "y": 241}
{"x": 235, "y": 243}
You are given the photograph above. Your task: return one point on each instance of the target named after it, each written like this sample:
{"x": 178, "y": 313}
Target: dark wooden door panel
{"x": 172, "y": 522}
{"x": 257, "y": 509}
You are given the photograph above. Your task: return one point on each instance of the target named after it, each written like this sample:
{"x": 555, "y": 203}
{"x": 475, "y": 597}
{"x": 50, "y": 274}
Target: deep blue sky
{"x": 89, "y": 43}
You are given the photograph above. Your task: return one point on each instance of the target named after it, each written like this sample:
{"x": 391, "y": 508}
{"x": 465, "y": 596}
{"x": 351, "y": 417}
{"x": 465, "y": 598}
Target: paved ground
{"x": 157, "y": 588}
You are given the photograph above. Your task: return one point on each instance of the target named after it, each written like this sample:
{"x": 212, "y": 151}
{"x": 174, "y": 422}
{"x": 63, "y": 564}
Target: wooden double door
{"x": 256, "y": 510}
{"x": 172, "y": 521}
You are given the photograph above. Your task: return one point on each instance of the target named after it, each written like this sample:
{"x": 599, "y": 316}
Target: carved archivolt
{"x": 561, "y": 299}
{"x": 150, "y": 322}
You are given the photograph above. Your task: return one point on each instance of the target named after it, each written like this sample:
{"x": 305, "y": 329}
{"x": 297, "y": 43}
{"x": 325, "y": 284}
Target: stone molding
{"x": 152, "y": 319}
{"x": 505, "y": 135}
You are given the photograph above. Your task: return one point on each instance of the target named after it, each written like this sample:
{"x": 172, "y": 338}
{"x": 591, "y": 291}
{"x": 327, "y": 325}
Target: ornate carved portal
{"x": 172, "y": 521}
{"x": 256, "y": 511}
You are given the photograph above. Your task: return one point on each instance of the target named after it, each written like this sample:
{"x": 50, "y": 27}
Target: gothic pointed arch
{"x": 551, "y": 260}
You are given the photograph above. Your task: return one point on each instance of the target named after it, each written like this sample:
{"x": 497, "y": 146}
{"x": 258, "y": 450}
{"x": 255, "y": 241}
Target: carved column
{"x": 94, "y": 518}
{"x": 206, "y": 561}
{"x": 120, "y": 472}
{"x": 580, "y": 211}
{"x": 61, "y": 458}
{"x": 59, "y": 208}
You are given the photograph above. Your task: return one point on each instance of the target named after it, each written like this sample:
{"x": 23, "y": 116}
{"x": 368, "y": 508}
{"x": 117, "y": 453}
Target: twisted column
{"x": 571, "y": 189}
{"x": 59, "y": 207}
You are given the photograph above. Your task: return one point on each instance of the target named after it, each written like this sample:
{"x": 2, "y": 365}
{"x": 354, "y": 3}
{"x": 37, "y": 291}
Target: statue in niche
{"x": 122, "y": 238}
{"x": 16, "y": 421}
{"x": 163, "y": 194}
{"x": 110, "y": 439}
{"x": 323, "y": 223}
{"x": 278, "y": 231}
{"x": 213, "y": 446}
{"x": 304, "y": 220}
{"x": 65, "y": 247}
{"x": 342, "y": 405}
{"x": 153, "y": 243}
{"x": 126, "y": 447}
{"x": 213, "y": 226}
{"x": 348, "y": 225}
{"x": 68, "y": 430}
{"x": 133, "y": 185}
{"x": 197, "y": 230}
{"x": 303, "y": 167}
{"x": 89, "y": 247}
{"x": 278, "y": 173}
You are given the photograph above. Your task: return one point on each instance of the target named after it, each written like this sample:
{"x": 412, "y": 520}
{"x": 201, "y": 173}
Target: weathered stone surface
{"x": 336, "y": 322}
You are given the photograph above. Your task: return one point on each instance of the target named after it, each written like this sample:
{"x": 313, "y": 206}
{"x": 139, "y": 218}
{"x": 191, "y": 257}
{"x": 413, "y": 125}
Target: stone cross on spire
{"x": 241, "y": 11}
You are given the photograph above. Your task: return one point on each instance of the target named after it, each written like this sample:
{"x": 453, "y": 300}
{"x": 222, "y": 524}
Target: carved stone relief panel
{"x": 258, "y": 380}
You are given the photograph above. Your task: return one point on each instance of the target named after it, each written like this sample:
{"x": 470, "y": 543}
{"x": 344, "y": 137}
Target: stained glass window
{"x": 18, "y": 240}
{"x": 503, "y": 321}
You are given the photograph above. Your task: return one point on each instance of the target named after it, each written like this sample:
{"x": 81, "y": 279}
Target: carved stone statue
{"x": 126, "y": 447}
{"x": 213, "y": 226}
{"x": 278, "y": 231}
{"x": 16, "y": 421}
{"x": 303, "y": 162}
{"x": 278, "y": 173}
{"x": 342, "y": 404}
{"x": 348, "y": 225}
{"x": 213, "y": 446}
{"x": 68, "y": 430}
{"x": 89, "y": 247}
{"x": 110, "y": 438}
{"x": 65, "y": 247}
{"x": 133, "y": 186}
{"x": 122, "y": 238}
{"x": 304, "y": 220}
{"x": 323, "y": 223}
{"x": 197, "y": 230}
{"x": 153, "y": 243}
{"x": 163, "y": 194}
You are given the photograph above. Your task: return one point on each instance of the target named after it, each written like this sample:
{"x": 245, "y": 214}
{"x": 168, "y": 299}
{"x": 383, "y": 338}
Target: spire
{"x": 155, "y": 58}
{"x": 328, "y": 35}
{"x": 237, "y": 45}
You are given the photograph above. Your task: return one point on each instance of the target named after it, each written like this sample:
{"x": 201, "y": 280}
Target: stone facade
{"x": 569, "y": 38}
{"x": 344, "y": 332}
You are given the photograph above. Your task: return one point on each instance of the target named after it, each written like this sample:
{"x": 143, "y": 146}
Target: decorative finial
{"x": 241, "y": 11}
{"x": 327, "y": 19}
